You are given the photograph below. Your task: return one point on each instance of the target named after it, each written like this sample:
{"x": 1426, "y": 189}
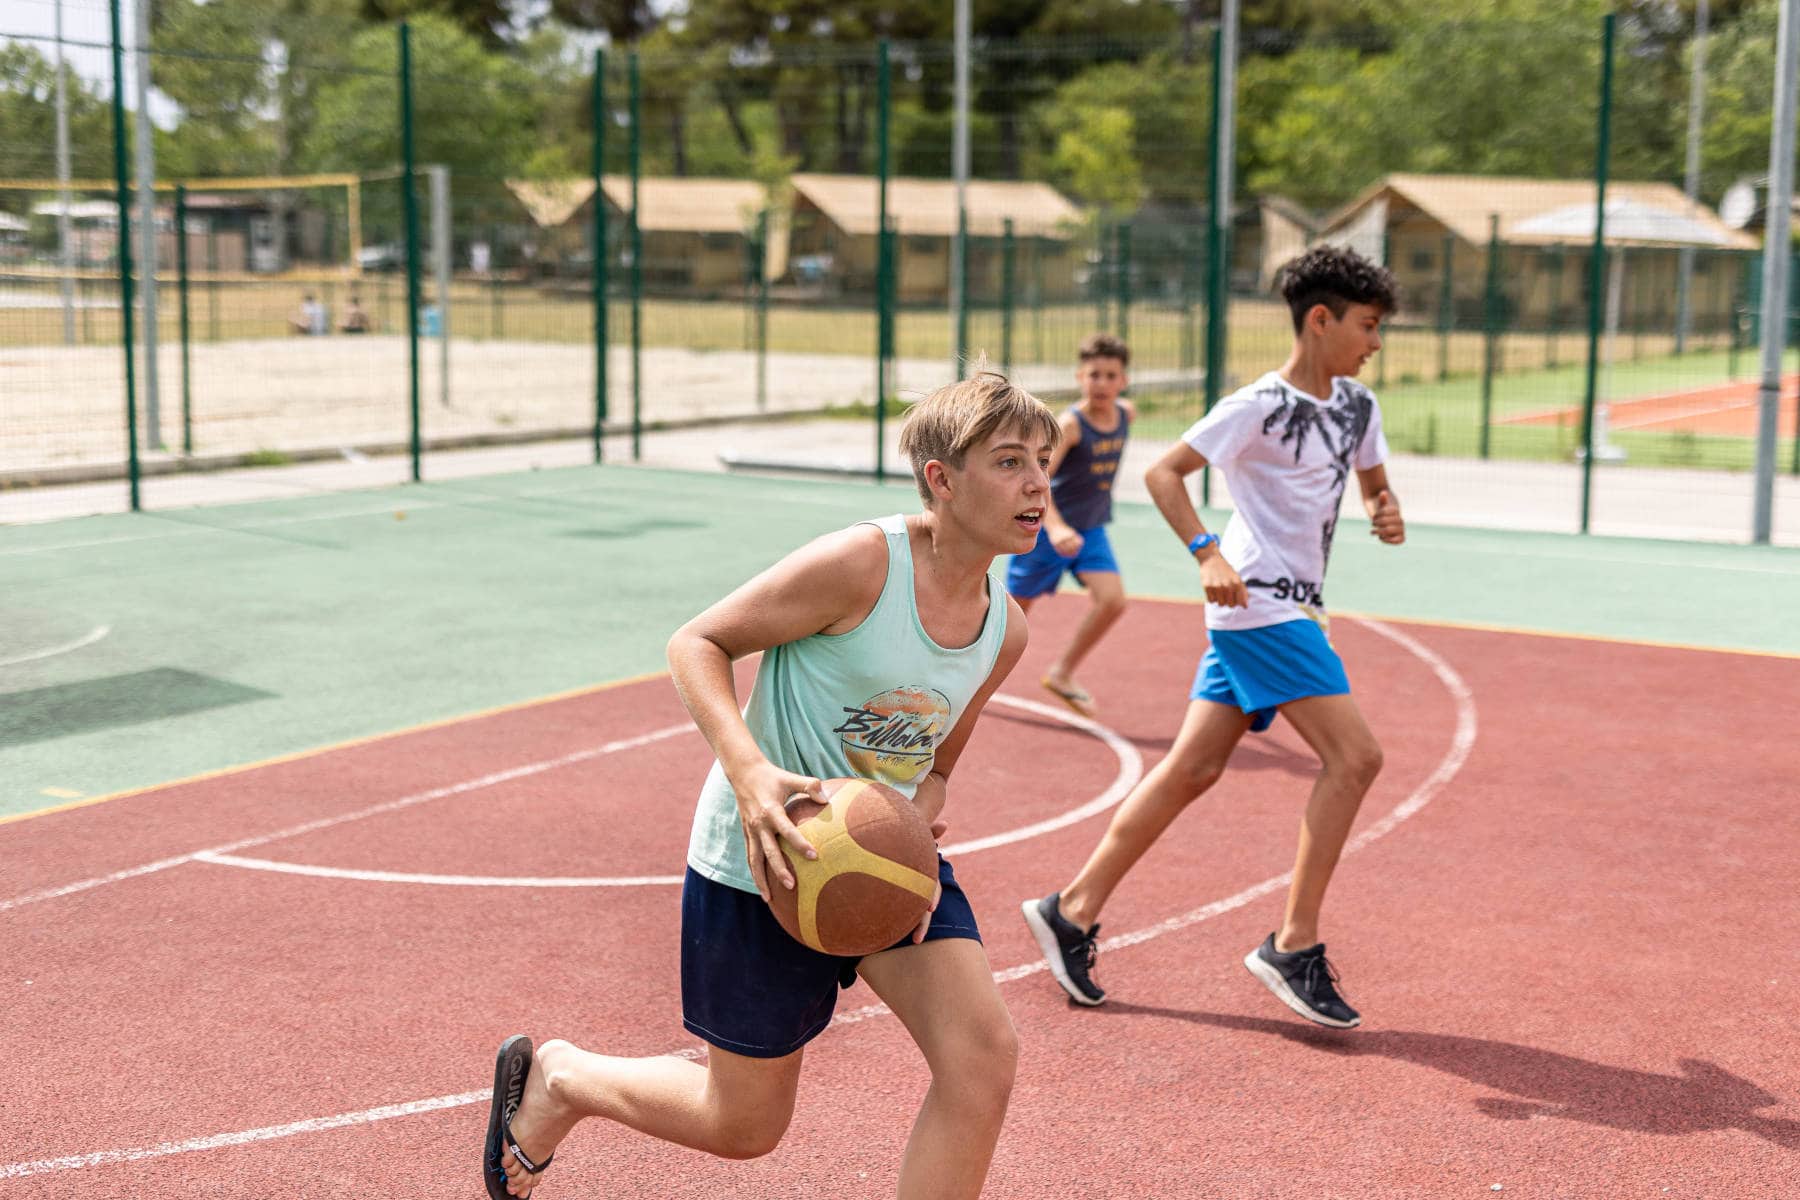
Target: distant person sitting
{"x": 356, "y": 318}
{"x": 311, "y": 320}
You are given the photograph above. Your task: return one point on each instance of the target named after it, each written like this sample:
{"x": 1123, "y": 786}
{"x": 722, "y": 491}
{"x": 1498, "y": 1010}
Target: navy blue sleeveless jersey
{"x": 1084, "y": 479}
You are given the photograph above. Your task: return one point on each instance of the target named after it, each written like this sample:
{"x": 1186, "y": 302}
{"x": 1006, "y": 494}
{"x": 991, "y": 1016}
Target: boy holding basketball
{"x": 1287, "y": 445}
{"x": 891, "y": 626}
{"x": 1073, "y": 539}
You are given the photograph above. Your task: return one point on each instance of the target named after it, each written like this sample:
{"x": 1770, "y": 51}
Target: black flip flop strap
{"x": 523, "y": 1159}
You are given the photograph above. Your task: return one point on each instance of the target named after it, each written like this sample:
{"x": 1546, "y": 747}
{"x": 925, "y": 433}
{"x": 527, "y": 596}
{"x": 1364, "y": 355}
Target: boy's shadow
{"x": 1703, "y": 1097}
{"x": 1248, "y": 756}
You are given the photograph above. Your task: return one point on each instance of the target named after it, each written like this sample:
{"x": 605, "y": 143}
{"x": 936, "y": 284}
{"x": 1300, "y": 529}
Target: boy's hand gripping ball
{"x": 875, "y": 875}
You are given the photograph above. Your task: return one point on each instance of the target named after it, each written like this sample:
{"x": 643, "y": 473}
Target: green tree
{"x": 1095, "y": 160}
{"x": 245, "y": 75}
{"x": 472, "y": 108}
{"x": 28, "y": 121}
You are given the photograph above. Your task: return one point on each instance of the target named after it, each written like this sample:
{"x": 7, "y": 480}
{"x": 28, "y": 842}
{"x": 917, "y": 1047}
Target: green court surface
{"x": 135, "y": 650}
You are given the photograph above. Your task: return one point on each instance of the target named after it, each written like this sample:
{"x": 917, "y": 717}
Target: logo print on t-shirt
{"x": 893, "y": 737}
{"x": 1299, "y": 417}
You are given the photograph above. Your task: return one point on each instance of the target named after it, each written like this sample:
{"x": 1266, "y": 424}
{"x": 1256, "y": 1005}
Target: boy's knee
{"x": 1362, "y": 763}
{"x": 751, "y": 1136}
{"x": 986, "y": 1057}
{"x": 1197, "y": 776}
{"x": 1112, "y": 606}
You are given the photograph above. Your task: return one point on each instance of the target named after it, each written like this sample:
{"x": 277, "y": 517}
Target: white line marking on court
{"x": 1131, "y": 768}
{"x": 87, "y": 639}
{"x": 531, "y": 881}
{"x": 455, "y": 789}
{"x": 1460, "y": 745}
{"x": 406, "y": 504}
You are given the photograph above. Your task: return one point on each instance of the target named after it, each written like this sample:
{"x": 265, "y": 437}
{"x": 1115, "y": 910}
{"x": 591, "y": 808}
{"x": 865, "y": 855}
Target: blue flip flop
{"x": 512, "y": 1066}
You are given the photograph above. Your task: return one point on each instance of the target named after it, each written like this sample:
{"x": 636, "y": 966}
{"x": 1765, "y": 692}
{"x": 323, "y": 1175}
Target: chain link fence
{"x": 367, "y": 240}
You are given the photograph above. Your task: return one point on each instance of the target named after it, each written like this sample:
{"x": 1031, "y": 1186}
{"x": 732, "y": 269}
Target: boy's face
{"x": 1100, "y": 379}
{"x": 1349, "y": 341}
{"x": 1000, "y": 491}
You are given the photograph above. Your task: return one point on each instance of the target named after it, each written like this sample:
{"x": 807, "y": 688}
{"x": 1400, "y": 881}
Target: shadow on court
{"x": 1703, "y": 1097}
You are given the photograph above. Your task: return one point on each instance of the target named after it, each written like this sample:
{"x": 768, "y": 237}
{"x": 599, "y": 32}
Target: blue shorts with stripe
{"x": 1040, "y": 569}
{"x": 750, "y": 988}
{"x": 1257, "y": 670}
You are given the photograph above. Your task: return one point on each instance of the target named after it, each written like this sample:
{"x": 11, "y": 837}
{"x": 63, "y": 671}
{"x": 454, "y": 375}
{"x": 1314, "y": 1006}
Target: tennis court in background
{"x": 1719, "y": 410}
{"x": 284, "y": 782}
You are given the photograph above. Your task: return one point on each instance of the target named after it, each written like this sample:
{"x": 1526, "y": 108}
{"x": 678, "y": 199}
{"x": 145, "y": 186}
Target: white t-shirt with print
{"x": 1286, "y": 458}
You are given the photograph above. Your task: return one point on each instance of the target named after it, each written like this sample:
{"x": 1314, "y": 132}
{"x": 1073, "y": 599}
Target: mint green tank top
{"x": 874, "y": 702}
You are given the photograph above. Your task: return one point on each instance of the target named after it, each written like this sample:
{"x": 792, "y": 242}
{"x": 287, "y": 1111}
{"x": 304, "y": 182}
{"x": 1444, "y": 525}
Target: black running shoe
{"x": 1305, "y": 981}
{"x": 1067, "y": 948}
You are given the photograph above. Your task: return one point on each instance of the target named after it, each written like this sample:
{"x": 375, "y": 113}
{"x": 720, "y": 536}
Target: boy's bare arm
{"x": 1166, "y": 481}
{"x": 1385, "y": 521}
{"x": 826, "y": 586}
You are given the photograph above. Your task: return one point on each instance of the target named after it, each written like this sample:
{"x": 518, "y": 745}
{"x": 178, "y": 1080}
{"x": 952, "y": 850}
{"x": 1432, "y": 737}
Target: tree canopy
{"x": 1110, "y": 100}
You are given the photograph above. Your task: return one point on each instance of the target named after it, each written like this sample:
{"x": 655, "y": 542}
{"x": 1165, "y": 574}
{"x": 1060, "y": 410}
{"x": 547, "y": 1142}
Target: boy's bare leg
{"x": 1351, "y": 758}
{"x": 734, "y": 1106}
{"x": 1025, "y": 602}
{"x": 944, "y": 993}
{"x": 1209, "y": 732}
{"x": 1106, "y": 595}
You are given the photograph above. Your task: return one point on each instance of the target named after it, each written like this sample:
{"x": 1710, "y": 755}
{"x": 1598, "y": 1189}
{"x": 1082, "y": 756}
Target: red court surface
{"x": 1568, "y": 921}
{"x": 1723, "y": 410}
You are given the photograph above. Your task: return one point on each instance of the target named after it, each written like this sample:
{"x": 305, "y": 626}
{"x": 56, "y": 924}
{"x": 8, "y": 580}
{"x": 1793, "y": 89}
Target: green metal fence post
{"x": 1387, "y": 260}
{"x": 1215, "y": 253}
{"x": 1490, "y": 330}
{"x": 962, "y": 282}
{"x": 123, "y": 196}
{"x": 1597, "y": 267}
{"x": 409, "y": 203}
{"x": 598, "y": 283}
{"x": 1006, "y": 294}
{"x": 884, "y": 254}
{"x": 636, "y": 231}
{"x": 181, "y": 285}
{"x": 1122, "y": 237}
{"x": 762, "y": 310}
{"x": 1446, "y": 306}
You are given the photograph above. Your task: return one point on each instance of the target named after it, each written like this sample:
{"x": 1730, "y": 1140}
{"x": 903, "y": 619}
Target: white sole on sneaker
{"x": 1046, "y": 940}
{"x": 1273, "y": 980}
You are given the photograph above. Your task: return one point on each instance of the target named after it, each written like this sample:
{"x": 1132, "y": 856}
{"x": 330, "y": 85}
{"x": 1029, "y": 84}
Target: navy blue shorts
{"x": 750, "y": 988}
{"x": 1040, "y": 569}
{"x": 1258, "y": 670}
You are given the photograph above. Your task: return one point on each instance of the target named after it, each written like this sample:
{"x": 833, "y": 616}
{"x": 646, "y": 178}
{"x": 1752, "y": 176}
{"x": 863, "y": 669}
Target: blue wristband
{"x": 1202, "y": 541}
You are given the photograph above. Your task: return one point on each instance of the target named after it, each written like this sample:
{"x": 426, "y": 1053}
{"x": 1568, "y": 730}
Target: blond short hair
{"x": 951, "y": 421}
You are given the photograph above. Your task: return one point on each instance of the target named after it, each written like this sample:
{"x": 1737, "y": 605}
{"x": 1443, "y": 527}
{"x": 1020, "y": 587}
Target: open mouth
{"x": 1031, "y": 519}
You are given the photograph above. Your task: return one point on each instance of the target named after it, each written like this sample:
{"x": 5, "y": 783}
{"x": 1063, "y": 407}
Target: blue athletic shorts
{"x": 1256, "y": 670}
{"x": 750, "y": 988}
{"x": 1039, "y": 570}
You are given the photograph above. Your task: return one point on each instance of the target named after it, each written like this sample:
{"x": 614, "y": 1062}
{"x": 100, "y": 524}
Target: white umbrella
{"x": 1628, "y": 223}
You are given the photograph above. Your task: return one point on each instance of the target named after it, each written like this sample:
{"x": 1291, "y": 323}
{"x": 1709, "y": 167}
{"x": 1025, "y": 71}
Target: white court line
{"x": 87, "y": 639}
{"x": 1461, "y": 743}
{"x": 455, "y": 789}
{"x": 1131, "y": 769}
{"x": 198, "y": 529}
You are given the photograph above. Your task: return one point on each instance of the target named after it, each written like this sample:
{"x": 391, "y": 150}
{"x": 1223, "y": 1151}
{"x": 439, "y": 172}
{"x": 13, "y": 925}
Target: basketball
{"x": 875, "y": 874}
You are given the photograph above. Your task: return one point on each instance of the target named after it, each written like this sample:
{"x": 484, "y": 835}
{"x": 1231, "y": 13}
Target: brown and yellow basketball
{"x": 875, "y": 874}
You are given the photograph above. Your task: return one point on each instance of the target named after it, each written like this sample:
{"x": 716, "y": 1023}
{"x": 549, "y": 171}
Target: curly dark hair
{"x": 1337, "y": 277}
{"x": 1103, "y": 345}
